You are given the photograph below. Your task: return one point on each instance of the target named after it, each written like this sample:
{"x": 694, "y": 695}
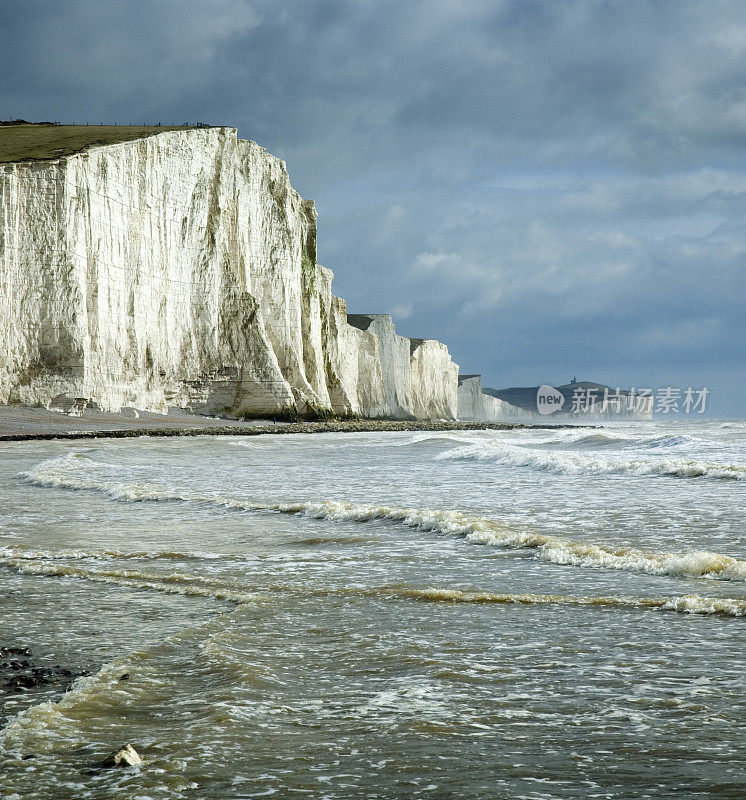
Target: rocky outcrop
{"x": 180, "y": 270}
{"x": 125, "y": 756}
{"x": 27, "y": 681}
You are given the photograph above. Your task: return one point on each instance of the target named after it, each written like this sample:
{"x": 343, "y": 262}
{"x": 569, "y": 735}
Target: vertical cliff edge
{"x": 180, "y": 269}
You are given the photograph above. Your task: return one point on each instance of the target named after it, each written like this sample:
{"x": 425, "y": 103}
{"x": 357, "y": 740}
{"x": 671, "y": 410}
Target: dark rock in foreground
{"x": 18, "y": 673}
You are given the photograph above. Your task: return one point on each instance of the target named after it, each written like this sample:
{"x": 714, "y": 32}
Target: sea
{"x": 528, "y": 614}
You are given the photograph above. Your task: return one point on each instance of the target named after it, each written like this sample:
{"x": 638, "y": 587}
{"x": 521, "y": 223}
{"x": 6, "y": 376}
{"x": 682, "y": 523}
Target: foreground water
{"x": 498, "y": 614}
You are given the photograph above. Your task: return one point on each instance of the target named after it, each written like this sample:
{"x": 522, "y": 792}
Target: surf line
{"x": 57, "y": 473}
{"x": 198, "y": 586}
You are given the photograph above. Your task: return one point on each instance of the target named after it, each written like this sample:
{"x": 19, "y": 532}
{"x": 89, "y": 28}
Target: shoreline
{"x": 19, "y": 424}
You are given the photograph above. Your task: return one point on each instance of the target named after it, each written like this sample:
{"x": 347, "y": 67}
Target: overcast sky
{"x": 551, "y": 187}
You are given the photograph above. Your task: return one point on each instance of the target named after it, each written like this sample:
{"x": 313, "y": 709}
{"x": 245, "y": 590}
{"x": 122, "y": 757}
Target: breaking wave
{"x": 580, "y": 438}
{"x": 573, "y": 463}
{"x": 74, "y": 471}
{"x": 680, "y": 440}
{"x": 555, "y": 549}
{"x": 596, "y": 440}
{"x": 45, "y": 726}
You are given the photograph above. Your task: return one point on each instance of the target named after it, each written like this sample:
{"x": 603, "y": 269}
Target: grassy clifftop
{"x": 39, "y": 142}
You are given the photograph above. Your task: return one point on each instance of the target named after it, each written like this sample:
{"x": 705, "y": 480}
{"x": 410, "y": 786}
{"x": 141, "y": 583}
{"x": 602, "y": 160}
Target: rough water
{"x": 532, "y": 614}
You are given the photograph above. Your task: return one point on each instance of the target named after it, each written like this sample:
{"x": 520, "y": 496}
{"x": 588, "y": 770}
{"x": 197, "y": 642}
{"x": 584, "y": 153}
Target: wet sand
{"x": 20, "y": 423}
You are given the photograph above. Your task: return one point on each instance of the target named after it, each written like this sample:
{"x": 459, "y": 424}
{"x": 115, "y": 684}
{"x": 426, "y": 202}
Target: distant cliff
{"x": 584, "y": 400}
{"x": 179, "y": 269}
{"x": 580, "y": 402}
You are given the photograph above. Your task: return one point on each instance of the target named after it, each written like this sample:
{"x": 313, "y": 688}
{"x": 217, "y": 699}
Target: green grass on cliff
{"x": 40, "y": 142}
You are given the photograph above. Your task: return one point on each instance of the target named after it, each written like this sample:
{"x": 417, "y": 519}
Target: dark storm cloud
{"x": 550, "y": 187}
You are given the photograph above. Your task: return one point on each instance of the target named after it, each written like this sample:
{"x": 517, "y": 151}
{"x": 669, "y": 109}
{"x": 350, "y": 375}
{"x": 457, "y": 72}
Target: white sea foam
{"x": 72, "y": 472}
{"x": 578, "y": 463}
{"x": 695, "y": 604}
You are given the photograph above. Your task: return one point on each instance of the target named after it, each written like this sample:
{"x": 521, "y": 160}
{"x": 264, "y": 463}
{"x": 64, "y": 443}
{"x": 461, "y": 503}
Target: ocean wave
{"x": 650, "y": 442}
{"x": 581, "y": 438}
{"x": 33, "y": 725}
{"x": 599, "y": 440}
{"x": 175, "y": 583}
{"x": 571, "y": 463}
{"x": 687, "y": 604}
{"x": 434, "y": 436}
{"x": 554, "y": 549}
{"x": 694, "y": 604}
{"x": 96, "y": 555}
{"x": 71, "y": 472}
{"x": 200, "y": 586}
{"x": 678, "y": 440}
{"x": 575, "y": 439}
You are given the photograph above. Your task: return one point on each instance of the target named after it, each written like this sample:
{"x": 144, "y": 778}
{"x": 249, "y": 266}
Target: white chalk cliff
{"x": 434, "y": 380}
{"x": 419, "y": 379}
{"x": 475, "y": 406}
{"x": 396, "y": 369}
{"x": 180, "y": 270}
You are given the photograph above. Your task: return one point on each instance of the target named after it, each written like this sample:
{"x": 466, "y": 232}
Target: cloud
{"x": 402, "y": 312}
{"x": 110, "y": 61}
{"x": 429, "y": 263}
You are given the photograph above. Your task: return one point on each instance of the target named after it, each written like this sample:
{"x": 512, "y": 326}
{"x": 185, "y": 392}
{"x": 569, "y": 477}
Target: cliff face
{"x": 470, "y": 404}
{"x": 499, "y": 411}
{"x": 395, "y": 362}
{"x": 180, "y": 269}
{"x": 434, "y": 380}
{"x": 475, "y": 406}
{"x": 419, "y": 379}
